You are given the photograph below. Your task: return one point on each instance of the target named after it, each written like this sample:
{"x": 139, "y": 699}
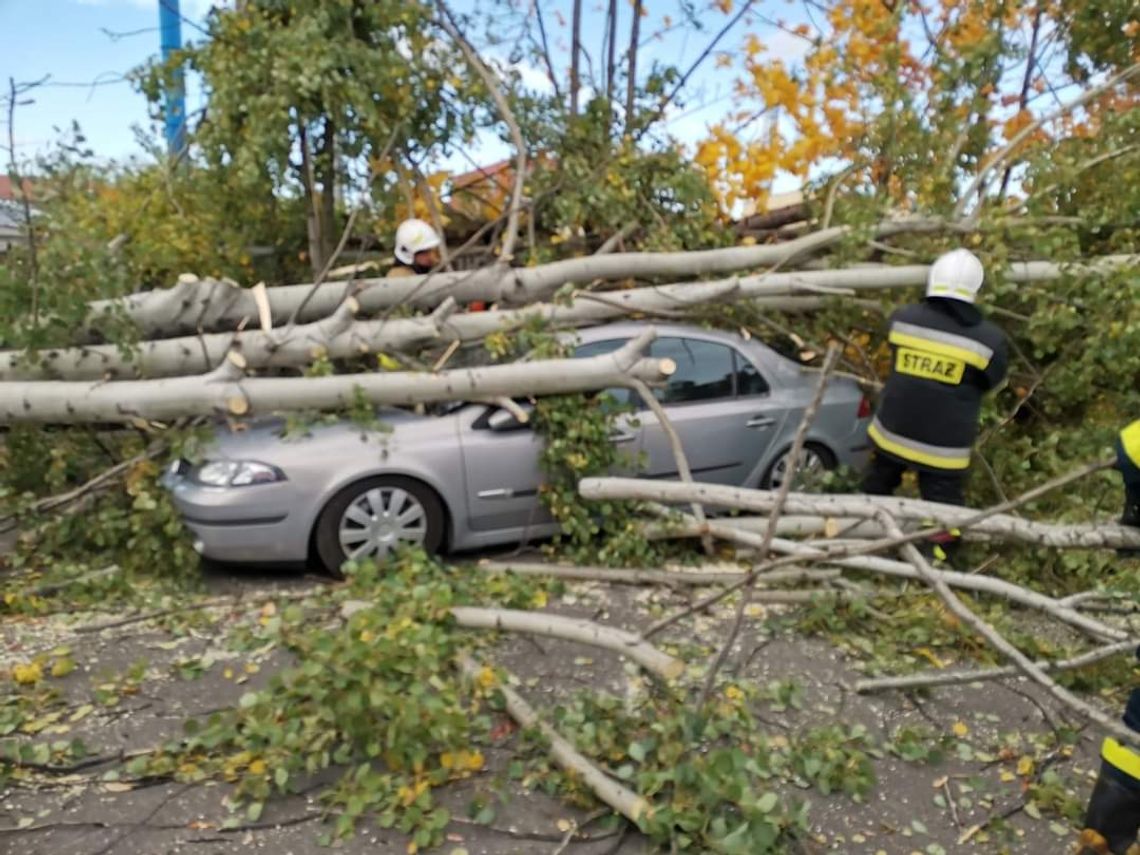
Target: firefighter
{"x": 417, "y": 253}
{"x": 417, "y": 249}
{"x": 1112, "y": 817}
{"x": 945, "y": 356}
{"x": 1128, "y": 462}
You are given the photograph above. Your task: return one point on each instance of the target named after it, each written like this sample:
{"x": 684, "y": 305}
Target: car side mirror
{"x": 503, "y": 420}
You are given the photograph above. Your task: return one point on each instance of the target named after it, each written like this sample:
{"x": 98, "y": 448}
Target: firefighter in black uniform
{"x": 944, "y": 356}
{"x": 1112, "y": 818}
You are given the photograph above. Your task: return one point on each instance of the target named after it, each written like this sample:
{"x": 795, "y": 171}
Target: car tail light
{"x": 864, "y": 408}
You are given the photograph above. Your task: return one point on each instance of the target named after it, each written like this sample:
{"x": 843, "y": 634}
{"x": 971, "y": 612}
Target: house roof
{"x": 8, "y": 191}
{"x": 466, "y": 179}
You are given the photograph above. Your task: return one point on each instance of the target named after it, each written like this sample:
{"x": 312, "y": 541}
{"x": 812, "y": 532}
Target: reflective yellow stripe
{"x": 941, "y": 349}
{"x": 1124, "y": 759}
{"x": 936, "y": 461}
{"x": 1130, "y": 439}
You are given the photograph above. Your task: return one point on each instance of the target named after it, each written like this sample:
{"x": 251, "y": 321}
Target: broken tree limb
{"x": 225, "y": 391}
{"x": 996, "y": 640}
{"x": 858, "y": 558}
{"x": 1107, "y": 535}
{"x": 625, "y": 576}
{"x": 213, "y": 304}
{"x": 572, "y": 629}
{"x": 960, "y": 676}
{"x": 196, "y": 353}
{"x": 610, "y": 792}
{"x": 790, "y": 526}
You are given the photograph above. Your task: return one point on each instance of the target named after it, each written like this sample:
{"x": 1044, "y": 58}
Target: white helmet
{"x": 414, "y": 236}
{"x": 957, "y": 275}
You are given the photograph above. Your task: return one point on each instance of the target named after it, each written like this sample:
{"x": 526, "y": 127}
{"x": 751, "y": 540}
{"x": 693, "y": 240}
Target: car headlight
{"x": 235, "y": 473}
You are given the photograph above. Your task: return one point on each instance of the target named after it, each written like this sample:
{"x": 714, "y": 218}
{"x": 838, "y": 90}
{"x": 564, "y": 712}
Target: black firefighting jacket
{"x": 944, "y": 356}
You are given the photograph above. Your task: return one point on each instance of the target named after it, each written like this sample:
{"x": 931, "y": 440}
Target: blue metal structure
{"x": 170, "y": 23}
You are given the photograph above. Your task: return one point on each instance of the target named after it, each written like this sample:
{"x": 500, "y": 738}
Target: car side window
{"x": 600, "y": 348}
{"x": 749, "y": 381}
{"x": 705, "y": 370}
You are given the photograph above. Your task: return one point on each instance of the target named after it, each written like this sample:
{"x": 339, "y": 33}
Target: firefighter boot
{"x": 1112, "y": 818}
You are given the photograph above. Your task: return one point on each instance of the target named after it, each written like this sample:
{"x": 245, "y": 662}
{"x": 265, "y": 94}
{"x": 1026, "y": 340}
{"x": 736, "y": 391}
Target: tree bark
{"x": 1002, "y": 526}
{"x": 224, "y": 391}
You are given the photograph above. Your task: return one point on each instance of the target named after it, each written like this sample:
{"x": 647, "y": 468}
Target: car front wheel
{"x": 814, "y": 461}
{"x": 371, "y": 518}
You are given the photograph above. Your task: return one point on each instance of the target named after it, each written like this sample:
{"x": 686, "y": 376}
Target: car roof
{"x": 630, "y": 329}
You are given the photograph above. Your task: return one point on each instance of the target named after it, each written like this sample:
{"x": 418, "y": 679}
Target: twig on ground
{"x": 957, "y": 677}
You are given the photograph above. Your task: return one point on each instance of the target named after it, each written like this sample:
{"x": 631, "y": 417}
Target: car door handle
{"x": 622, "y": 436}
{"x": 760, "y": 421}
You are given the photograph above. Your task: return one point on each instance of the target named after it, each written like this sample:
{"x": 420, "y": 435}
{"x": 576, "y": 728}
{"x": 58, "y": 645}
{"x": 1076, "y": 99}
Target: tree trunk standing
{"x": 575, "y": 57}
{"x": 631, "y": 82}
{"x": 21, "y": 193}
{"x": 611, "y": 49}
{"x": 326, "y": 173}
{"x": 312, "y": 208}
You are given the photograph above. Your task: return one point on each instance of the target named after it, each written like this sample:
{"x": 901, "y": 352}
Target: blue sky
{"x": 84, "y": 42}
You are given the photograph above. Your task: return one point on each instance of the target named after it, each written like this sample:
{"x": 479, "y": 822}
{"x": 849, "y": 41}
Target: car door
{"x": 501, "y": 461}
{"x": 723, "y": 408}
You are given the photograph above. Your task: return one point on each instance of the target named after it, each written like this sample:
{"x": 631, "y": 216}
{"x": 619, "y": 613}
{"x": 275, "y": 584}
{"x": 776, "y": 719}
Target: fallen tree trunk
{"x": 225, "y": 391}
{"x": 341, "y": 338}
{"x": 572, "y": 629}
{"x": 195, "y": 305}
{"x": 1001, "y": 526}
{"x": 610, "y": 792}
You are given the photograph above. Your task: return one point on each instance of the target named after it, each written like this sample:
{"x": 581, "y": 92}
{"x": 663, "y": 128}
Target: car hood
{"x": 265, "y": 439}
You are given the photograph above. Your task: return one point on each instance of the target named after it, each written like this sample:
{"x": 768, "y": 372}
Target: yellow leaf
{"x": 1007, "y": 776}
{"x": 367, "y": 636}
{"x": 228, "y": 673}
{"x": 257, "y": 767}
{"x": 960, "y": 729}
{"x": 1025, "y": 766}
{"x": 387, "y": 363}
{"x": 413, "y": 848}
{"x": 447, "y": 760}
{"x": 475, "y": 761}
{"x": 28, "y": 674}
{"x": 62, "y": 667}
{"x": 486, "y": 678}
{"x": 539, "y": 601}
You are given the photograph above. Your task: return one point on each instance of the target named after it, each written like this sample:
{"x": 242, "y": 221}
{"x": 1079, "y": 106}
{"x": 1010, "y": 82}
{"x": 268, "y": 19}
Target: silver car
{"x": 469, "y": 478}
